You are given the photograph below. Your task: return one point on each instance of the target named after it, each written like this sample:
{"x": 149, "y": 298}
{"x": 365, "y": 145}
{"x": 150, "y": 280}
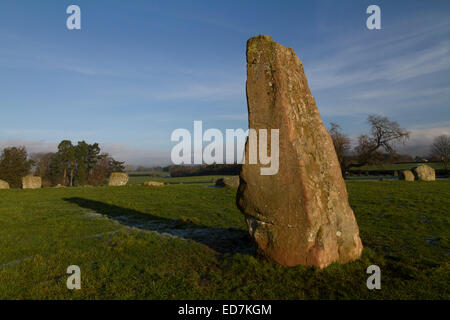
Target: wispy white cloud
{"x": 201, "y": 91}
{"x": 137, "y": 156}
{"x": 47, "y": 62}
{"x": 400, "y": 93}
{"x": 398, "y": 70}
{"x": 418, "y": 63}
{"x": 405, "y": 55}
{"x": 32, "y": 146}
{"x": 421, "y": 140}
{"x": 325, "y": 75}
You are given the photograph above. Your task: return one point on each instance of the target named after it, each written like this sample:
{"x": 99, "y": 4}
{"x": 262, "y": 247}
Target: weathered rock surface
{"x": 301, "y": 215}
{"x": 406, "y": 175}
{"x": 153, "y": 184}
{"x": 424, "y": 173}
{"x": 4, "y": 184}
{"x": 231, "y": 182}
{"x": 31, "y": 182}
{"x": 118, "y": 179}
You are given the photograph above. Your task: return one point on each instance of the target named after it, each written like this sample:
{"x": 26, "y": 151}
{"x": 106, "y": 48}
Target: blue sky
{"x": 140, "y": 69}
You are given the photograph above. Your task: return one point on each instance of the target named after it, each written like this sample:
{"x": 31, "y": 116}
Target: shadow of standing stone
{"x": 221, "y": 240}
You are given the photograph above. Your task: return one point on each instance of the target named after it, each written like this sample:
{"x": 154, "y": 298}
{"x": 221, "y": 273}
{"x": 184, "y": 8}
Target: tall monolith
{"x": 301, "y": 215}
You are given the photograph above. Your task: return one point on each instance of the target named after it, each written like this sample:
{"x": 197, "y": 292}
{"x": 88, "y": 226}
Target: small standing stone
{"x": 424, "y": 173}
{"x": 231, "y": 182}
{"x": 153, "y": 184}
{"x": 4, "y": 184}
{"x": 31, "y": 182}
{"x": 406, "y": 175}
{"x": 118, "y": 179}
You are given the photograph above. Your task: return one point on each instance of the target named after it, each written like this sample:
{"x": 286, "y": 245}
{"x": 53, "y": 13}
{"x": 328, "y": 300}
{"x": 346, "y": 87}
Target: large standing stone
{"x": 301, "y": 215}
{"x": 406, "y": 175}
{"x": 4, "y": 184}
{"x": 424, "y": 173}
{"x": 31, "y": 182}
{"x": 118, "y": 179}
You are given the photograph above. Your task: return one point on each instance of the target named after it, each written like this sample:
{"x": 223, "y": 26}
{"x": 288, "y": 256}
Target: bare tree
{"x": 384, "y": 134}
{"x": 341, "y": 144}
{"x": 440, "y": 150}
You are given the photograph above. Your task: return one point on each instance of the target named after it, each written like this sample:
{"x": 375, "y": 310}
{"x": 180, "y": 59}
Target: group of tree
{"x": 379, "y": 145}
{"x": 14, "y": 164}
{"x": 71, "y": 165}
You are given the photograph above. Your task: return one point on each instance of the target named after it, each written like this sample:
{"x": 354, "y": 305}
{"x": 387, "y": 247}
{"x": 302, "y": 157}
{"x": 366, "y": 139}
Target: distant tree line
{"x": 154, "y": 168}
{"x": 378, "y": 145}
{"x": 71, "y": 165}
{"x": 205, "y": 170}
{"x": 188, "y": 170}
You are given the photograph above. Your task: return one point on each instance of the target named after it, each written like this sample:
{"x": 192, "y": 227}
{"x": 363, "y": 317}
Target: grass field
{"x": 189, "y": 242}
{"x": 140, "y": 179}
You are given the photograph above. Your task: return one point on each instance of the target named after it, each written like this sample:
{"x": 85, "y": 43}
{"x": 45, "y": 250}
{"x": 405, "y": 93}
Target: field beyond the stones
{"x": 189, "y": 241}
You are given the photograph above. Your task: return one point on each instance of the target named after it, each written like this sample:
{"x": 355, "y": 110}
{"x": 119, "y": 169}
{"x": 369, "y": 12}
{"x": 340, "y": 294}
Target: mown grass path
{"x": 190, "y": 242}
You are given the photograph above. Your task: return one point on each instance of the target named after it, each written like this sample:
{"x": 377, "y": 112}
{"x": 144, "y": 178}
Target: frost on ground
{"x": 221, "y": 240}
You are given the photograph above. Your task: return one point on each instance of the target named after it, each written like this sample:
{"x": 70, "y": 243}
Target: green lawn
{"x": 188, "y": 241}
{"x": 140, "y": 179}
